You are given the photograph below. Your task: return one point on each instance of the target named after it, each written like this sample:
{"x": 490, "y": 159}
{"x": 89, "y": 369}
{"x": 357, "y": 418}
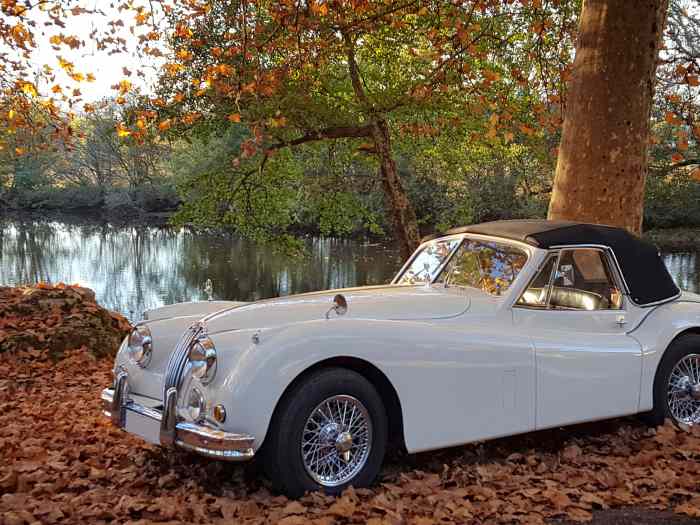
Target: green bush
{"x": 671, "y": 201}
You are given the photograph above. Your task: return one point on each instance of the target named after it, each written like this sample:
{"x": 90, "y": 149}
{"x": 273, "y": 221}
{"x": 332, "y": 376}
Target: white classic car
{"x": 487, "y": 331}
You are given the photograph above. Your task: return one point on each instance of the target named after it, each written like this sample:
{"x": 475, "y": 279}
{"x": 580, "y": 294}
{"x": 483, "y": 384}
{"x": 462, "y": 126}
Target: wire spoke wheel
{"x": 683, "y": 392}
{"x": 336, "y": 440}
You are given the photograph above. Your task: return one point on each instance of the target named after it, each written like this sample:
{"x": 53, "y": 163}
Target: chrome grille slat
{"x": 178, "y": 359}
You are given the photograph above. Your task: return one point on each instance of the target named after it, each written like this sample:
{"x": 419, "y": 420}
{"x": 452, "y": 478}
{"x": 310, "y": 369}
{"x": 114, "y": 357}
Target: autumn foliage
{"x": 63, "y": 462}
{"x": 56, "y": 319}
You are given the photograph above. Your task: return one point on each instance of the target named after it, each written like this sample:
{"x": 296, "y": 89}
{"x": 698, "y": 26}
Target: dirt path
{"x": 61, "y": 462}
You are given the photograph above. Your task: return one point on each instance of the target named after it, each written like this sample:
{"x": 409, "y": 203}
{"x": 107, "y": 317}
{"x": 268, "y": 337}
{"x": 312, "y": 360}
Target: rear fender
{"x": 655, "y": 334}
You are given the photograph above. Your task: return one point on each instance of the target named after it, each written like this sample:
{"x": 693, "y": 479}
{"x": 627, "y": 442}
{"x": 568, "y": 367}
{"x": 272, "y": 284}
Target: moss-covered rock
{"x": 58, "y": 318}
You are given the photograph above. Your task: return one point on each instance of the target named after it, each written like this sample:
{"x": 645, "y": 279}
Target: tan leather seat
{"x": 575, "y": 298}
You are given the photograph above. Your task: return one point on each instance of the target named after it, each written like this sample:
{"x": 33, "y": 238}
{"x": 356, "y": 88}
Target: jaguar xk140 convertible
{"x": 488, "y": 330}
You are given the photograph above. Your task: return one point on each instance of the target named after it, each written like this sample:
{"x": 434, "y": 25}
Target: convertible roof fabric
{"x": 643, "y": 269}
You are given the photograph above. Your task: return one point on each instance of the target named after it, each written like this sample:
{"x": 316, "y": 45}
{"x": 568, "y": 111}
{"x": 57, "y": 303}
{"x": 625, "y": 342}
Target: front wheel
{"x": 328, "y": 433}
{"x": 677, "y": 383}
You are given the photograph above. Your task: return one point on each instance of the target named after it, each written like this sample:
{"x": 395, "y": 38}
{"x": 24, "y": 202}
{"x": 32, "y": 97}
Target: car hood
{"x": 371, "y": 302}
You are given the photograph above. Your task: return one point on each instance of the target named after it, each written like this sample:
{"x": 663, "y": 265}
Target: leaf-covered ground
{"x": 61, "y": 462}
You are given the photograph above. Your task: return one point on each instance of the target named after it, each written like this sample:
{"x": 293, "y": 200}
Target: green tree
{"x": 364, "y": 74}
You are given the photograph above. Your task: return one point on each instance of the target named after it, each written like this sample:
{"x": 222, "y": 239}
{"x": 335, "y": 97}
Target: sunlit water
{"x": 134, "y": 268}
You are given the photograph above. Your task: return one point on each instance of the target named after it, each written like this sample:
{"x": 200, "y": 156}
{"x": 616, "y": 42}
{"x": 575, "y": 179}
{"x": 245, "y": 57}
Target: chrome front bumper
{"x": 201, "y": 439}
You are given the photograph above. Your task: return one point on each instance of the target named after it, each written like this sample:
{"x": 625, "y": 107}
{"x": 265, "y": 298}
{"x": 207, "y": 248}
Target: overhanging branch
{"x": 338, "y": 132}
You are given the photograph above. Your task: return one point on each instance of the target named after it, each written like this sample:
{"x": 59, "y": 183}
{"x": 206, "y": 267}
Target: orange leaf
{"x": 672, "y": 118}
{"x": 29, "y": 89}
{"x": 122, "y": 131}
{"x": 234, "y": 117}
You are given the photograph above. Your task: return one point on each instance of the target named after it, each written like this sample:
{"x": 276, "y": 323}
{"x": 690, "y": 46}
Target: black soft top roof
{"x": 643, "y": 269}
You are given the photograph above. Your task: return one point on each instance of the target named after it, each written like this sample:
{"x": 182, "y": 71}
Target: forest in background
{"x": 458, "y": 159}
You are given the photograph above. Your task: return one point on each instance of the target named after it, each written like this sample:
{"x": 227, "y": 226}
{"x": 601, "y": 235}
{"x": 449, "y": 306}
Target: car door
{"x": 587, "y": 367}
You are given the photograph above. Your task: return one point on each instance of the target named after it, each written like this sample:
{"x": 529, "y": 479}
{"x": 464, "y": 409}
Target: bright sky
{"x": 107, "y": 68}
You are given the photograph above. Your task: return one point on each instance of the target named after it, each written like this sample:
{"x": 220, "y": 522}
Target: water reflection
{"x": 133, "y": 268}
{"x": 683, "y": 267}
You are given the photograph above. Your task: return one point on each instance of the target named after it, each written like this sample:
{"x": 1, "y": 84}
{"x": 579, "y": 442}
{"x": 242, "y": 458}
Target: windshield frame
{"x": 461, "y": 237}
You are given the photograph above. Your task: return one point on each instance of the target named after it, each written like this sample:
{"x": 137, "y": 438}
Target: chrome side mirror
{"x": 340, "y": 306}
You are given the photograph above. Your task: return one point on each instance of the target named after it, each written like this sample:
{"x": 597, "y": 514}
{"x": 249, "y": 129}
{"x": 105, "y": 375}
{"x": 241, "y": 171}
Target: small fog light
{"x": 220, "y": 413}
{"x": 196, "y": 405}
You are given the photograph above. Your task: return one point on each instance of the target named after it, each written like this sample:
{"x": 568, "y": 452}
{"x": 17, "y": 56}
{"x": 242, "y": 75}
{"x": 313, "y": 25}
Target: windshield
{"x": 486, "y": 265}
{"x": 428, "y": 261}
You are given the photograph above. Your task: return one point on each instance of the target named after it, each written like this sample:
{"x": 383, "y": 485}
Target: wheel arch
{"x": 695, "y": 330}
{"x": 375, "y": 376}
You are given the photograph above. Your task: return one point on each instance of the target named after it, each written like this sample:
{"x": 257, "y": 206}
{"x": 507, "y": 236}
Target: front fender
{"x": 655, "y": 334}
{"x": 255, "y": 375}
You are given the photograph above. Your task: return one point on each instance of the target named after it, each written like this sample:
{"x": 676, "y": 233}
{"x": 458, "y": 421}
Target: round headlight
{"x": 196, "y": 405}
{"x": 203, "y": 359}
{"x": 140, "y": 345}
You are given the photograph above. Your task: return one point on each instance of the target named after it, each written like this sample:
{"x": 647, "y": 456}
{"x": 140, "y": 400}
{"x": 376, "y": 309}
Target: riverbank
{"x": 675, "y": 239}
{"x": 89, "y": 216}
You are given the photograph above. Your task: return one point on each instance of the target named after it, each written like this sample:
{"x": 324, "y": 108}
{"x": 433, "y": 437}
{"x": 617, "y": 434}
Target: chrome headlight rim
{"x": 203, "y": 359}
{"x": 139, "y": 345}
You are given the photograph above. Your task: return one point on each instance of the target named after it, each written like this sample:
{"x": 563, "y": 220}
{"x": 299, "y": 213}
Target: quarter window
{"x": 536, "y": 293}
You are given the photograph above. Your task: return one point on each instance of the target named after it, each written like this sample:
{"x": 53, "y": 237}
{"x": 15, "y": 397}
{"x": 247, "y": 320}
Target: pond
{"x": 133, "y": 268}
{"x": 136, "y": 267}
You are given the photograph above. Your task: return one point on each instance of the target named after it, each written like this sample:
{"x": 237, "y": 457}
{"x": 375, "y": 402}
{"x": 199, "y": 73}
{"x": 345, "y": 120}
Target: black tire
{"x": 281, "y": 454}
{"x": 684, "y": 345}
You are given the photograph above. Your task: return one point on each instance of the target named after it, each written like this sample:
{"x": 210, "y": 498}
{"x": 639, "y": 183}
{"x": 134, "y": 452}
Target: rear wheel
{"x": 677, "y": 383}
{"x": 328, "y": 433}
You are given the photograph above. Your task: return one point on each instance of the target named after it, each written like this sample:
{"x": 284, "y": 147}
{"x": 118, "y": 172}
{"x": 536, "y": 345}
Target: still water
{"x": 134, "y": 268}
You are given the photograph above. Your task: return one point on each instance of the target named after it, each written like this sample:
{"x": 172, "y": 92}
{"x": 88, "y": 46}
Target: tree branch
{"x": 338, "y": 132}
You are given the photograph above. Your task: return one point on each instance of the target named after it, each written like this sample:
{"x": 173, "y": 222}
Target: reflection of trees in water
{"x": 683, "y": 267}
{"x": 136, "y": 267}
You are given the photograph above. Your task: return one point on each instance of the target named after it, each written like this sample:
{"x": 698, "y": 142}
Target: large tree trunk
{"x": 403, "y": 217}
{"x": 602, "y": 159}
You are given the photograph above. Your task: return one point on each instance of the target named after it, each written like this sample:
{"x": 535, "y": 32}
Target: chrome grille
{"x": 178, "y": 359}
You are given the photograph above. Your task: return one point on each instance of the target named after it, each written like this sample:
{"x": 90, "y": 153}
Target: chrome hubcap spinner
{"x": 336, "y": 440}
{"x": 684, "y": 390}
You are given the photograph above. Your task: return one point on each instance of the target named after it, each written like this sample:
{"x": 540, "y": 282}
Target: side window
{"x": 583, "y": 281}
{"x": 536, "y": 294}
